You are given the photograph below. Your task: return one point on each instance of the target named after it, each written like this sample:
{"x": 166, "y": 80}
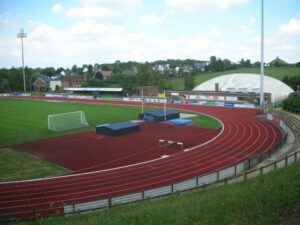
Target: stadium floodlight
{"x": 261, "y": 100}
{"x": 22, "y": 35}
{"x": 67, "y": 121}
{"x": 165, "y": 107}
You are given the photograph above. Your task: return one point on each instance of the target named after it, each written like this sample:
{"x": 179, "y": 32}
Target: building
{"x": 277, "y": 62}
{"x": 147, "y": 90}
{"x": 55, "y": 83}
{"x": 73, "y": 81}
{"x": 200, "y": 65}
{"x": 247, "y": 85}
{"x": 215, "y": 97}
{"x": 106, "y": 74}
{"x": 95, "y": 91}
{"x": 41, "y": 84}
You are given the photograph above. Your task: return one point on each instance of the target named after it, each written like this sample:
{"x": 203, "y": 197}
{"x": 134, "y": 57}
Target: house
{"x": 42, "y": 83}
{"x": 106, "y": 74}
{"x": 147, "y": 90}
{"x": 277, "y": 62}
{"x": 73, "y": 81}
{"x": 200, "y": 65}
{"x": 55, "y": 81}
{"x": 161, "y": 68}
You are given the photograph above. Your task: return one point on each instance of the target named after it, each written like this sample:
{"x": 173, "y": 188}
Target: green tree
{"x": 48, "y": 71}
{"x": 189, "y": 82}
{"x": 57, "y": 88}
{"x": 5, "y": 86}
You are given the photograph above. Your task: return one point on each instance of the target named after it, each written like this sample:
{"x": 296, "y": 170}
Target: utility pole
{"x": 22, "y": 35}
{"x": 261, "y": 101}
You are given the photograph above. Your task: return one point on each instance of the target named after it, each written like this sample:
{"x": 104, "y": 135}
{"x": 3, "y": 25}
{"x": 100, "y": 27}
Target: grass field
{"x": 15, "y": 165}
{"x": 275, "y": 72}
{"x": 26, "y": 120}
{"x": 263, "y": 200}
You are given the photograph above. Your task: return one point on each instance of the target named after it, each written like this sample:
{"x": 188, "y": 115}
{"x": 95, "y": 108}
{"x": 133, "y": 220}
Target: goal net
{"x": 67, "y": 121}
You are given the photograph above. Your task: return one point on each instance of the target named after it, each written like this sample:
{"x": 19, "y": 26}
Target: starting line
{"x": 162, "y": 142}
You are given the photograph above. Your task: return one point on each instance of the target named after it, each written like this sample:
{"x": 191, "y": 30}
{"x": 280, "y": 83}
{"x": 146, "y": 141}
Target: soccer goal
{"x": 67, "y": 121}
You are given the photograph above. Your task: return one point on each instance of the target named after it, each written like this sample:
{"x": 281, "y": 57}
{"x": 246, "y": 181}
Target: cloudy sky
{"x": 67, "y": 32}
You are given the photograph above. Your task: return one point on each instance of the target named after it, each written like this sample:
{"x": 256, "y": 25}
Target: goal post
{"x": 67, "y": 121}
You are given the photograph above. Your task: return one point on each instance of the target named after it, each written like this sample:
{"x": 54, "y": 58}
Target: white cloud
{"x": 7, "y": 21}
{"x": 247, "y": 28}
{"x": 127, "y": 5}
{"x": 98, "y": 9}
{"x": 56, "y": 8}
{"x": 91, "y": 12}
{"x": 291, "y": 28}
{"x": 91, "y": 27}
{"x": 151, "y": 19}
{"x": 204, "y": 4}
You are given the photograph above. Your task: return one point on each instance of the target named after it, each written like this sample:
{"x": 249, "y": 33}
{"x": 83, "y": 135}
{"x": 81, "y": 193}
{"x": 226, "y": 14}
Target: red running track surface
{"x": 244, "y": 136}
{"x": 89, "y": 151}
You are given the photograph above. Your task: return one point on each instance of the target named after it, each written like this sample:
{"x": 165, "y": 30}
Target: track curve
{"x": 244, "y": 136}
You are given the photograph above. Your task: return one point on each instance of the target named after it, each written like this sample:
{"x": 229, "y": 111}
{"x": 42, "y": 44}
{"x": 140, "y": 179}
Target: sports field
{"x": 26, "y": 121}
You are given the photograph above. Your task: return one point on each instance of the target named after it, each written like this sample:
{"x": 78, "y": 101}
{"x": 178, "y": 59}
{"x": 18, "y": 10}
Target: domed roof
{"x": 247, "y": 82}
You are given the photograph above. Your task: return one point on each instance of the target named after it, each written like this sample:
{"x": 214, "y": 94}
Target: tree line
{"x": 127, "y": 74}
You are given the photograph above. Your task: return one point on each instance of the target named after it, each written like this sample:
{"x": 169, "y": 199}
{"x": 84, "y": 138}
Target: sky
{"x": 61, "y": 33}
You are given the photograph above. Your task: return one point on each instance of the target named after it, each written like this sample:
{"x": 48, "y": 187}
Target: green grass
{"x": 275, "y": 72}
{"x": 205, "y": 122}
{"x": 26, "y": 120}
{"x": 16, "y": 165}
{"x": 261, "y": 200}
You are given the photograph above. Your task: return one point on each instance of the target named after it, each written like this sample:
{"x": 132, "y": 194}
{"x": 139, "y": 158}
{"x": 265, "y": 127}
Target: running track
{"x": 244, "y": 136}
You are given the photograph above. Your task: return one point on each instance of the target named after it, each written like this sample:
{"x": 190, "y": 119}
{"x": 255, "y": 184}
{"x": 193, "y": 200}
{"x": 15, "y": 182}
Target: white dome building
{"x": 246, "y": 82}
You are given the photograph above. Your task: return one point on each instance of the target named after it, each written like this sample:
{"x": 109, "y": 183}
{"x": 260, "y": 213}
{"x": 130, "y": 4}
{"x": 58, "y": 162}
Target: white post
{"x": 48, "y": 122}
{"x": 22, "y": 35}
{"x": 81, "y": 117}
{"x": 262, "y": 58}
{"x": 165, "y": 111}
{"x": 142, "y": 101}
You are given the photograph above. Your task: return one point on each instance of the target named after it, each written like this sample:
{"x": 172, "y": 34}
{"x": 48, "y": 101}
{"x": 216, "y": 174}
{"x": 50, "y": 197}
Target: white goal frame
{"x": 81, "y": 122}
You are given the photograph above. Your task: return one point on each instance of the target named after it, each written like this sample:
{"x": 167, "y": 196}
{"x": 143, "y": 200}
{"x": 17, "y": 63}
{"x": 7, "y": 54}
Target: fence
{"x": 226, "y": 176}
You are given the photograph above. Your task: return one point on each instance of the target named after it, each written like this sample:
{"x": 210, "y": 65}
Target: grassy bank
{"x": 261, "y": 200}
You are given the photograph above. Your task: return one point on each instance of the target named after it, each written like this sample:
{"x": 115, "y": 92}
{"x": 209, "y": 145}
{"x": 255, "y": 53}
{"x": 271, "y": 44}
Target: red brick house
{"x": 41, "y": 84}
{"x": 73, "y": 81}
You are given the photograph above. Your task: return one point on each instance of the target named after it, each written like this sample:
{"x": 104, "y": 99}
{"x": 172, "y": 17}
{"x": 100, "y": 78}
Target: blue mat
{"x": 159, "y": 115}
{"x": 180, "y": 122}
{"x": 117, "y": 129}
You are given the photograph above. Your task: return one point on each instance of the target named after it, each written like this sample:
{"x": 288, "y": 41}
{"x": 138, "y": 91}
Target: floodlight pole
{"x": 142, "y": 100}
{"x": 262, "y": 58}
{"x": 165, "y": 103}
{"x": 22, "y": 35}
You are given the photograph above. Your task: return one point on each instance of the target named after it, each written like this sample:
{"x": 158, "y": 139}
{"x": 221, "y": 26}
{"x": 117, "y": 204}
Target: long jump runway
{"x": 243, "y": 136}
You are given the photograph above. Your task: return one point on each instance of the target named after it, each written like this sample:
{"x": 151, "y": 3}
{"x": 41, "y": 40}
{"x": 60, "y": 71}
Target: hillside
{"x": 275, "y": 72}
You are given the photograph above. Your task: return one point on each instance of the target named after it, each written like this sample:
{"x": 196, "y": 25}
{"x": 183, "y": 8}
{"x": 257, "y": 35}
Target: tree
{"x": 5, "y": 86}
{"x": 57, "y": 88}
{"x": 74, "y": 68}
{"x": 99, "y": 76}
{"x": 189, "y": 82}
{"x": 48, "y": 71}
